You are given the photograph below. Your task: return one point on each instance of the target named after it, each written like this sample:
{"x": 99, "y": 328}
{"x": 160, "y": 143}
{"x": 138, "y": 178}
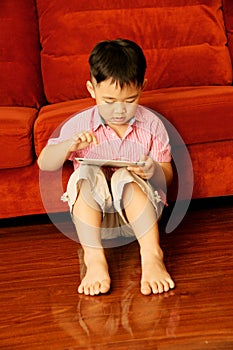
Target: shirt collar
{"x": 97, "y": 119}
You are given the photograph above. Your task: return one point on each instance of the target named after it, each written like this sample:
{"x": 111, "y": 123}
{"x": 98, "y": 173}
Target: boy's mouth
{"x": 118, "y": 120}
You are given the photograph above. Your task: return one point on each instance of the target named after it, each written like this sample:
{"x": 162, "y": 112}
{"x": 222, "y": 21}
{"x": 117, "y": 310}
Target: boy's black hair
{"x": 121, "y": 60}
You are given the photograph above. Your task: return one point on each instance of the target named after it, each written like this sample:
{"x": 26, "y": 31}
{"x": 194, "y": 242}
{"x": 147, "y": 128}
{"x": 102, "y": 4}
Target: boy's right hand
{"x": 82, "y": 140}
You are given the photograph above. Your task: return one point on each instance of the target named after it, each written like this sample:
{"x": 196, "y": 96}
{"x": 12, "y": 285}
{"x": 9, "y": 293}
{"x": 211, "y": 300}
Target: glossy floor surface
{"x": 40, "y": 270}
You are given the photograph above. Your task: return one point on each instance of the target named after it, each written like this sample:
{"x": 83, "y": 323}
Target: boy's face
{"x": 116, "y": 105}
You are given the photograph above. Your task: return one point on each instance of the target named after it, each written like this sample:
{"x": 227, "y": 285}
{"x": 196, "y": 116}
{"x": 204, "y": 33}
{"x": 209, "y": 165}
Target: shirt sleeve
{"x": 67, "y": 131}
{"x": 75, "y": 124}
{"x": 160, "y": 149}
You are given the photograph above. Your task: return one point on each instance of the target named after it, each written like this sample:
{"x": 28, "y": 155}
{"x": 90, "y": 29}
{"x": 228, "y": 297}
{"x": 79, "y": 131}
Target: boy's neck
{"x": 120, "y": 130}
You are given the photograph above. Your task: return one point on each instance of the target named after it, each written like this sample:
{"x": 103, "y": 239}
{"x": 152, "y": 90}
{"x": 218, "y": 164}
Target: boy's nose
{"x": 120, "y": 108}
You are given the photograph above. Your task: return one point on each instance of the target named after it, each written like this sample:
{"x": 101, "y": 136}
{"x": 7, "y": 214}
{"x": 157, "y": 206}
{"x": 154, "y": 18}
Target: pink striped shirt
{"x": 146, "y": 135}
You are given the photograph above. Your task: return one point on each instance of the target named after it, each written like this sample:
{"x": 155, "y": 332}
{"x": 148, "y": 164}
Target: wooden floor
{"x": 40, "y": 308}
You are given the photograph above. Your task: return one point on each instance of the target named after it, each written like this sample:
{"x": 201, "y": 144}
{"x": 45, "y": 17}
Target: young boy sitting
{"x": 106, "y": 201}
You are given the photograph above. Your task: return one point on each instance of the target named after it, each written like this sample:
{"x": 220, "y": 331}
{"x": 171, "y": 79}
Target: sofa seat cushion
{"x": 16, "y": 129}
{"x": 200, "y": 114}
{"x": 184, "y": 41}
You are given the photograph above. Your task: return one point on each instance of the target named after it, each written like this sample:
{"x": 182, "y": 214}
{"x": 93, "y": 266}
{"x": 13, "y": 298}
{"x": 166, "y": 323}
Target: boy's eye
{"x": 130, "y": 101}
{"x": 110, "y": 102}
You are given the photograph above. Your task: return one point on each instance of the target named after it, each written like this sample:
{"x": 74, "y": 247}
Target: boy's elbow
{"x": 46, "y": 167}
{"x": 43, "y": 164}
{"x": 40, "y": 161}
{"x": 50, "y": 160}
{"x": 39, "y": 164}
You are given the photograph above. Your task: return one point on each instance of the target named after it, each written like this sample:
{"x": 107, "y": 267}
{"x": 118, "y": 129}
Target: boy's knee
{"x": 130, "y": 192}
{"x": 83, "y": 191}
{"x": 123, "y": 183}
{"x": 84, "y": 186}
{"x": 120, "y": 178}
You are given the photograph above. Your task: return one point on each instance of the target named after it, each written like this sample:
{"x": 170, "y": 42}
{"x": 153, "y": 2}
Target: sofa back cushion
{"x": 184, "y": 41}
{"x": 20, "y": 73}
{"x": 228, "y": 16}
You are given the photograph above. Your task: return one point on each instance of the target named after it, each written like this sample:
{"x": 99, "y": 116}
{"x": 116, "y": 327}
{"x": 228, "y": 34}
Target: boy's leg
{"x": 87, "y": 217}
{"x": 142, "y": 218}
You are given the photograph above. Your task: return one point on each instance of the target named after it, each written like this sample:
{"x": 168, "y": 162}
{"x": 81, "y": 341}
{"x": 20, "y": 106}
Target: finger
{"x": 79, "y": 137}
{"x": 84, "y": 137}
{"x": 95, "y": 139}
{"x": 89, "y": 137}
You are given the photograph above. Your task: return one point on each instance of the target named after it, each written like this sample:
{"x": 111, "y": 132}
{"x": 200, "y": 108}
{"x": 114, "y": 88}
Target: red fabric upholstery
{"x": 195, "y": 112}
{"x": 188, "y": 45}
{"x": 212, "y": 168}
{"x": 20, "y": 82}
{"x": 200, "y": 114}
{"x": 228, "y": 15}
{"x": 184, "y": 42}
{"x": 16, "y": 129}
{"x": 53, "y": 116}
{"x": 21, "y": 195}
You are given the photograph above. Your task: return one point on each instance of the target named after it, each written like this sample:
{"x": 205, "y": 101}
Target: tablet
{"x": 107, "y": 162}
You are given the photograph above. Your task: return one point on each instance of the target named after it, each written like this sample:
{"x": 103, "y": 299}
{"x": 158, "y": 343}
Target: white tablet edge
{"x": 107, "y": 162}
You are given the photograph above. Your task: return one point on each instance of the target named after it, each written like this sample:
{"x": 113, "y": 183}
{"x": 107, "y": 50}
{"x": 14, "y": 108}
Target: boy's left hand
{"x": 147, "y": 171}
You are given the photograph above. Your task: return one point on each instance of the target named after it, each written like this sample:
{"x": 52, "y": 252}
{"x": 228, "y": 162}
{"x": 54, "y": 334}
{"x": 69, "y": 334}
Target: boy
{"x": 107, "y": 200}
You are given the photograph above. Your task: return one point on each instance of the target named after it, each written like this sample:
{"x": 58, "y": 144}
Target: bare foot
{"x": 96, "y": 279}
{"x": 155, "y": 278}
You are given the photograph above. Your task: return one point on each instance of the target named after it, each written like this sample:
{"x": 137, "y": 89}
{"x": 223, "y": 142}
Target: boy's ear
{"x": 90, "y": 88}
{"x": 144, "y": 84}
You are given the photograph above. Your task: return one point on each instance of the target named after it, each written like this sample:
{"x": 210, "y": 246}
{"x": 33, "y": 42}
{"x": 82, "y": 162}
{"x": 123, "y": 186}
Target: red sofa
{"x": 44, "y": 48}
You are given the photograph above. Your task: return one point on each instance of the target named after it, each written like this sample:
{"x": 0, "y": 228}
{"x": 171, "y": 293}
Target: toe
{"x": 171, "y": 283}
{"x": 92, "y": 290}
{"x": 87, "y": 289}
{"x": 104, "y": 286}
{"x": 80, "y": 289}
{"x": 154, "y": 287}
{"x": 145, "y": 288}
{"x": 160, "y": 287}
{"x": 166, "y": 286}
{"x": 97, "y": 288}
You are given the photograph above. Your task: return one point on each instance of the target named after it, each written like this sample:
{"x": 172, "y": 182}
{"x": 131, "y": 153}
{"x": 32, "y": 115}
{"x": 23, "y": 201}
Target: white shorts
{"x": 109, "y": 197}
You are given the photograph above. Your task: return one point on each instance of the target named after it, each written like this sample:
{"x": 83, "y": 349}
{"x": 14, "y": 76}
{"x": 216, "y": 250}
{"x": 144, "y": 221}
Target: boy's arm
{"x": 52, "y": 157}
{"x": 167, "y": 173}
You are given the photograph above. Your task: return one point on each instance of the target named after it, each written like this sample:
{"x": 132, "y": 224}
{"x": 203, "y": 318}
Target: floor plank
{"x": 40, "y": 307}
